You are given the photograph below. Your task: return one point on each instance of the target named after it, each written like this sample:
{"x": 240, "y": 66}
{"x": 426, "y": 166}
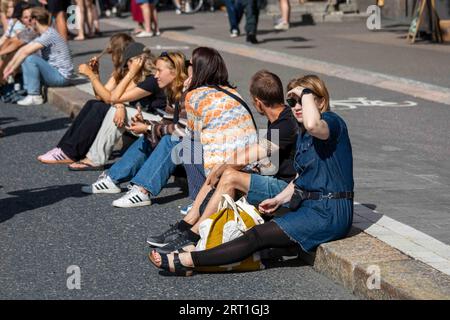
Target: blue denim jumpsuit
{"x": 322, "y": 166}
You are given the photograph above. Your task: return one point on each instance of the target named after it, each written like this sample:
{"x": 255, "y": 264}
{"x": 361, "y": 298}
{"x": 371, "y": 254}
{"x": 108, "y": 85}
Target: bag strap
{"x": 227, "y": 201}
{"x": 238, "y": 99}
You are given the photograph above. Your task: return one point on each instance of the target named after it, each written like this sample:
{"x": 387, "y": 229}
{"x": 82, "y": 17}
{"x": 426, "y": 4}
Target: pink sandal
{"x": 55, "y": 156}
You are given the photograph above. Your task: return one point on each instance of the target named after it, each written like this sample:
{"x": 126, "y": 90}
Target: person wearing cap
{"x": 138, "y": 88}
{"x": 53, "y": 68}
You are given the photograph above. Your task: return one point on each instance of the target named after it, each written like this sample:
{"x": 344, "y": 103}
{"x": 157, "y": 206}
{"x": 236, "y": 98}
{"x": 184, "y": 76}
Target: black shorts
{"x": 55, "y": 6}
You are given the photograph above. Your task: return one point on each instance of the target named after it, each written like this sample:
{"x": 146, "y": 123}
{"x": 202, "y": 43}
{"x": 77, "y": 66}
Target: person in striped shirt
{"x": 54, "y": 66}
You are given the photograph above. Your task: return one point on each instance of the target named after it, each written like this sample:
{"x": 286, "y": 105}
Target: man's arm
{"x": 20, "y": 56}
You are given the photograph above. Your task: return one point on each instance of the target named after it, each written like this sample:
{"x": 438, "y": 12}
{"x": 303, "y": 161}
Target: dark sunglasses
{"x": 187, "y": 63}
{"x": 166, "y": 55}
{"x": 292, "y": 102}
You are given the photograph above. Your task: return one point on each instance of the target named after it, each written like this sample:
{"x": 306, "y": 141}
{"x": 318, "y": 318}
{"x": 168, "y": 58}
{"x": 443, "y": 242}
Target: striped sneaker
{"x": 104, "y": 184}
{"x": 133, "y": 198}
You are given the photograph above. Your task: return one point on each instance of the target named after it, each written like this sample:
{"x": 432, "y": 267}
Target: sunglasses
{"x": 166, "y": 55}
{"x": 187, "y": 63}
{"x": 292, "y": 102}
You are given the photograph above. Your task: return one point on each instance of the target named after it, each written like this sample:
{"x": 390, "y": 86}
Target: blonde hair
{"x": 316, "y": 85}
{"x": 116, "y": 47}
{"x": 175, "y": 90}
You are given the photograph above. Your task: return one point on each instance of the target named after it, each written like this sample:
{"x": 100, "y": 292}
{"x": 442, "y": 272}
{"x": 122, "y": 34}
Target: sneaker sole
{"x": 157, "y": 245}
{"x": 56, "y": 161}
{"x": 135, "y": 205}
{"x": 102, "y": 191}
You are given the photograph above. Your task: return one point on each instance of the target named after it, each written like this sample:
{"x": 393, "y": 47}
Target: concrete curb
{"x": 372, "y": 269}
{"x": 68, "y": 99}
{"x": 363, "y": 264}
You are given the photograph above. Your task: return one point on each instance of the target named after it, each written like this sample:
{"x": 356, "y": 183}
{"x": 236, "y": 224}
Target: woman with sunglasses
{"x": 79, "y": 137}
{"x": 138, "y": 87}
{"x": 320, "y": 198}
{"x": 148, "y": 163}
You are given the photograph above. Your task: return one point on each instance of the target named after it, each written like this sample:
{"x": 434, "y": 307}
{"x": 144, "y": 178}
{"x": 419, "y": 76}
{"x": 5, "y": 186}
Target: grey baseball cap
{"x": 133, "y": 50}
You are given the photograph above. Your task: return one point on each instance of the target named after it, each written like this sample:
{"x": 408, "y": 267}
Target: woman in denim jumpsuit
{"x": 324, "y": 164}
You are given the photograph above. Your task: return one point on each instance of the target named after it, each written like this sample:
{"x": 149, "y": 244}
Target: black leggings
{"x": 263, "y": 236}
{"x": 79, "y": 137}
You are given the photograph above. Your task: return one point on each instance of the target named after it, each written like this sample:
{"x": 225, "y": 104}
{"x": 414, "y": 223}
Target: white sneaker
{"x": 104, "y": 184}
{"x": 234, "y": 33}
{"x": 31, "y": 100}
{"x": 133, "y": 198}
{"x": 282, "y": 26}
{"x": 178, "y": 11}
{"x": 144, "y": 34}
{"x": 157, "y": 33}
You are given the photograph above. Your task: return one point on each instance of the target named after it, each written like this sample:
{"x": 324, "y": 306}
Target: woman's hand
{"x": 268, "y": 206}
{"x": 138, "y": 117}
{"x": 94, "y": 64}
{"x": 138, "y": 127}
{"x": 119, "y": 116}
{"x": 86, "y": 70}
{"x": 136, "y": 66}
{"x": 297, "y": 91}
{"x": 215, "y": 174}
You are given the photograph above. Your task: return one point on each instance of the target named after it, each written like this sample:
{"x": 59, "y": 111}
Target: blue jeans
{"x": 147, "y": 167}
{"x": 235, "y": 10}
{"x": 34, "y": 69}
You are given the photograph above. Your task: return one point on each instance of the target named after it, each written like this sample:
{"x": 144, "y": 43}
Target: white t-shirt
{"x": 14, "y": 28}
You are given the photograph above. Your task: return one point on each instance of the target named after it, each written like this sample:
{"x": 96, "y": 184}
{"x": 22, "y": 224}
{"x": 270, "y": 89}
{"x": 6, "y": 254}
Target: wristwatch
{"x": 305, "y": 91}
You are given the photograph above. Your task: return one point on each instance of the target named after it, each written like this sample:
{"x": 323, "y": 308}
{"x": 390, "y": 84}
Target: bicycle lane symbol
{"x": 354, "y": 103}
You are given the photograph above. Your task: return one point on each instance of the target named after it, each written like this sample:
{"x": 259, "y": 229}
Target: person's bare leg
{"x": 145, "y": 7}
{"x": 81, "y": 13}
{"x": 230, "y": 182}
{"x": 90, "y": 17}
{"x": 154, "y": 18}
{"x": 194, "y": 214}
{"x": 94, "y": 16}
{"x": 285, "y": 8}
{"x": 61, "y": 25}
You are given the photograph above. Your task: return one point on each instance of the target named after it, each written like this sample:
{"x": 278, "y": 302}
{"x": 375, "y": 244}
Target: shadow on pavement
{"x": 174, "y": 197}
{"x": 7, "y": 120}
{"x": 300, "y": 47}
{"x": 45, "y": 126}
{"x": 180, "y": 28}
{"x": 31, "y": 199}
{"x": 293, "y": 39}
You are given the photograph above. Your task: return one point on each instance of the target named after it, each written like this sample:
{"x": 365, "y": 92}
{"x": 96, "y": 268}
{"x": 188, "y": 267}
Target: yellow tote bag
{"x": 230, "y": 222}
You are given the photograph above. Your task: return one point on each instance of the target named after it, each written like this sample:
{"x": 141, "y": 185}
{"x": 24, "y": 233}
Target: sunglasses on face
{"x": 187, "y": 63}
{"x": 292, "y": 101}
{"x": 166, "y": 55}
